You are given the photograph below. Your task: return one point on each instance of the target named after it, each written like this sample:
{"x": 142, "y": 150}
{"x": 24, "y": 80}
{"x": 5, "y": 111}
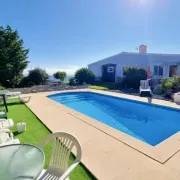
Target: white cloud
{"x": 70, "y": 70}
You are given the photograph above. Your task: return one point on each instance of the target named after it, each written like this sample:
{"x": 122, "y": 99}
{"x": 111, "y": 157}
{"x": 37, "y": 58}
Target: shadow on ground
{"x": 14, "y": 103}
{"x": 15, "y": 133}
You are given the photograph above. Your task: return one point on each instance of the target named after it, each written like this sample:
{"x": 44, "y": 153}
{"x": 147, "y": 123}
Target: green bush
{"x": 24, "y": 82}
{"x": 60, "y": 75}
{"x": 158, "y": 90}
{"x": 1, "y": 87}
{"x": 163, "y": 82}
{"x": 38, "y": 76}
{"x": 176, "y": 84}
{"x": 167, "y": 86}
{"x": 133, "y": 76}
{"x": 84, "y": 75}
{"x": 72, "y": 81}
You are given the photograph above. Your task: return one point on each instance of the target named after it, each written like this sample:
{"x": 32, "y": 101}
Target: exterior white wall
{"x": 166, "y": 68}
{"x": 127, "y": 59}
{"x": 120, "y": 60}
{"x": 96, "y": 69}
{"x": 118, "y": 70}
{"x": 119, "y": 73}
{"x": 178, "y": 72}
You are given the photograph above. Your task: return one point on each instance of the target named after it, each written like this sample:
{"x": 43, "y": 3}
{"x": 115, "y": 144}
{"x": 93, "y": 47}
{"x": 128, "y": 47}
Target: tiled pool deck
{"x": 110, "y": 154}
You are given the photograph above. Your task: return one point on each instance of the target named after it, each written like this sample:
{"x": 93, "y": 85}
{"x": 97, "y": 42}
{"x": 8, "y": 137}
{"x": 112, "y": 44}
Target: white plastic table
{"x": 20, "y": 162}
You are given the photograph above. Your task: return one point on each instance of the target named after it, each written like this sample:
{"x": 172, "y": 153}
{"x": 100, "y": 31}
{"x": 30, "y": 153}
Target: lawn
{"x": 36, "y": 132}
{"x": 103, "y": 86}
{"x": 97, "y": 87}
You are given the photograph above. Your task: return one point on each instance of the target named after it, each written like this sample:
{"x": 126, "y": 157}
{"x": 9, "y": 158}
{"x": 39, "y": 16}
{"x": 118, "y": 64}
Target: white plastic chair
{"x": 6, "y": 137}
{"x": 62, "y": 144}
{"x": 144, "y": 86}
{"x": 6, "y": 123}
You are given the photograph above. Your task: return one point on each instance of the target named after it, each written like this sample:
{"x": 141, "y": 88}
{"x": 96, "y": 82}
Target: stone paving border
{"x": 109, "y": 153}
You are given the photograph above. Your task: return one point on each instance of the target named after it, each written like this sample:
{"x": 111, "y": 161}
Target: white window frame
{"x": 158, "y": 70}
{"x": 110, "y": 69}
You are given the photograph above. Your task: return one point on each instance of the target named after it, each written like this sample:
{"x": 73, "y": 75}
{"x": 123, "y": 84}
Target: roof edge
{"x": 106, "y": 58}
{"x": 159, "y": 54}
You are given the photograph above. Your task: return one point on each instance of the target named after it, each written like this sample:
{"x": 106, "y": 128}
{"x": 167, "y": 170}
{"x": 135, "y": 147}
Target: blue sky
{"x": 66, "y": 35}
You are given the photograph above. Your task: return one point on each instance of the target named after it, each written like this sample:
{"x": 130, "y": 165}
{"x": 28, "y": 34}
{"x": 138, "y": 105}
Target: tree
{"x": 38, "y": 76}
{"x": 84, "y": 75}
{"x": 13, "y": 57}
{"x": 60, "y": 75}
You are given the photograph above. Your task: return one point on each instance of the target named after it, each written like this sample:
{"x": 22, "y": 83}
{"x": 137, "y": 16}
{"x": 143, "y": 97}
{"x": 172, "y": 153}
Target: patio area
{"x": 35, "y": 133}
{"x": 106, "y": 156}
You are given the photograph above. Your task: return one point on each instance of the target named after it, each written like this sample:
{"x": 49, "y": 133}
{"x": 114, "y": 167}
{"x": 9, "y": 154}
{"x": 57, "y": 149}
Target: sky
{"x": 66, "y": 35}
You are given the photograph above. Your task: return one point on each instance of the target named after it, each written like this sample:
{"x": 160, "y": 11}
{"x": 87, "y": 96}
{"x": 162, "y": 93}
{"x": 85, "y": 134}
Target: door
{"x": 109, "y": 72}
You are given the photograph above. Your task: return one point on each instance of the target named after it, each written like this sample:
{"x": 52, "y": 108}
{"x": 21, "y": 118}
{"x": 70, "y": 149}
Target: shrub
{"x": 158, "y": 90}
{"x": 84, "y": 75}
{"x": 38, "y": 76}
{"x": 24, "y": 82}
{"x": 1, "y": 87}
{"x": 176, "y": 84}
{"x": 31, "y": 83}
{"x": 163, "y": 82}
{"x": 60, "y": 75}
{"x": 167, "y": 86}
{"x": 72, "y": 81}
{"x": 133, "y": 75}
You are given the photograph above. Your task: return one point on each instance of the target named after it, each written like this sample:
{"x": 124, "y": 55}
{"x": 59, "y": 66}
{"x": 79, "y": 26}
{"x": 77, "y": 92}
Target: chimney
{"x": 142, "y": 49}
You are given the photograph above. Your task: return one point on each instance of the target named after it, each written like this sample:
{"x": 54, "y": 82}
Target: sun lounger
{"x": 6, "y": 123}
{"x": 6, "y": 137}
{"x": 13, "y": 94}
{"x": 10, "y": 94}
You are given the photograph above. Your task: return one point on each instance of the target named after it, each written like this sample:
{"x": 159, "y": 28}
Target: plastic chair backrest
{"x": 62, "y": 144}
{"x": 144, "y": 84}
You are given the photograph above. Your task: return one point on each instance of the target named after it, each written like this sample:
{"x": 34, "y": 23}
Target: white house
{"x": 161, "y": 65}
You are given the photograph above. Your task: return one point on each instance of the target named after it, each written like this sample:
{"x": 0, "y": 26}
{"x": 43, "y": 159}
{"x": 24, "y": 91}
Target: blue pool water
{"x": 151, "y": 124}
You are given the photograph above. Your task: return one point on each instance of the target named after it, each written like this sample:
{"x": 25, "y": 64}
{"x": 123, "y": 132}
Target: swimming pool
{"x": 151, "y": 124}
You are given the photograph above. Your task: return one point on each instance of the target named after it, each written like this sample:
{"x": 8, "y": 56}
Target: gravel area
{"x": 47, "y": 88}
{"x": 135, "y": 92}
{"x": 60, "y": 87}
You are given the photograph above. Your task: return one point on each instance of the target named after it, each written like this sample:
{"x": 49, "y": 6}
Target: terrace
{"x": 36, "y": 132}
{"x": 106, "y": 153}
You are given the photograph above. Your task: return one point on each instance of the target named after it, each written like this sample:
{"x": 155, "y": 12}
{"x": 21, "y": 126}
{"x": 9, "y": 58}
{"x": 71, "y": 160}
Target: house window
{"x": 173, "y": 70}
{"x": 110, "y": 69}
{"x": 158, "y": 71}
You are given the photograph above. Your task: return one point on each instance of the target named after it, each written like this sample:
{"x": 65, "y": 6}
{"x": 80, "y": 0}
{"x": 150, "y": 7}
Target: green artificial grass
{"x": 98, "y": 87}
{"x": 36, "y": 132}
{"x": 103, "y": 86}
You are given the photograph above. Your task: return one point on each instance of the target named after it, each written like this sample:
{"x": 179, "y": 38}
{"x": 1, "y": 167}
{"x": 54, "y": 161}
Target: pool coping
{"x": 160, "y": 153}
